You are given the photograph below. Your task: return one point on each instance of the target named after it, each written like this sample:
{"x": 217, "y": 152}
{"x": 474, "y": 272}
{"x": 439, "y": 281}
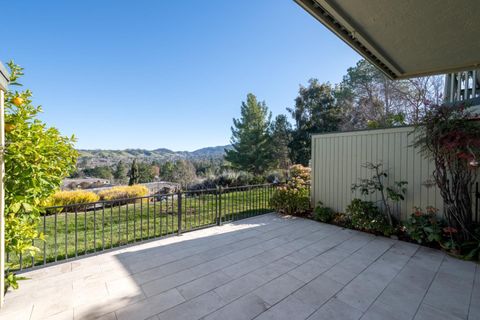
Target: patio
{"x": 266, "y": 267}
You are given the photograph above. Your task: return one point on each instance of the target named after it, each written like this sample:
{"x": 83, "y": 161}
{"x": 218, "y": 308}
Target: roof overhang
{"x": 406, "y": 38}
{"x": 3, "y": 77}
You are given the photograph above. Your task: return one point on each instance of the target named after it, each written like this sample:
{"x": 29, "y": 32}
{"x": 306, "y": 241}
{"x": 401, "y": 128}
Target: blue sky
{"x": 148, "y": 74}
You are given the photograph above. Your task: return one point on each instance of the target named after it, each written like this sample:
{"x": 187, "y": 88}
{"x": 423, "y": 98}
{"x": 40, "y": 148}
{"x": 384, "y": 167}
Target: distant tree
{"x": 145, "y": 172}
{"x": 183, "y": 173}
{"x": 133, "y": 174}
{"x": 368, "y": 98}
{"x": 120, "y": 172}
{"x": 101, "y": 172}
{"x": 315, "y": 111}
{"x": 281, "y": 139}
{"x": 252, "y": 148}
{"x": 166, "y": 171}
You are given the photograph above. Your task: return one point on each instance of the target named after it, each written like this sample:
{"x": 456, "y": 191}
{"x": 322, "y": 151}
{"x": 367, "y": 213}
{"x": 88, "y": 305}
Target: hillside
{"x": 92, "y": 158}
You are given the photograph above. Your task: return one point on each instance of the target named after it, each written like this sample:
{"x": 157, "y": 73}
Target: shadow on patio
{"x": 266, "y": 267}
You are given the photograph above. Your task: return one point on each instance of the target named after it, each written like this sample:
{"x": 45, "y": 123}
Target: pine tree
{"x": 120, "y": 171}
{"x": 252, "y": 149}
{"x": 133, "y": 174}
{"x": 281, "y": 138}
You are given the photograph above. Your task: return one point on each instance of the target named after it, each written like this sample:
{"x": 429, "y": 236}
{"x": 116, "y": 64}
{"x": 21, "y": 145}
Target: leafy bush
{"x": 394, "y": 193}
{"x": 290, "y": 200}
{"x": 424, "y": 227}
{"x": 323, "y": 214}
{"x": 366, "y": 216}
{"x": 70, "y": 198}
{"x": 37, "y": 159}
{"x": 294, "y": 197}
{"x": 123, "y": 192}
{"x": 342, "y": 219}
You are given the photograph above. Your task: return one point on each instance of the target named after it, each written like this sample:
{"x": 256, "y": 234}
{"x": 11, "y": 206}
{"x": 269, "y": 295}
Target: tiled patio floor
{"x": 267, "y": 267}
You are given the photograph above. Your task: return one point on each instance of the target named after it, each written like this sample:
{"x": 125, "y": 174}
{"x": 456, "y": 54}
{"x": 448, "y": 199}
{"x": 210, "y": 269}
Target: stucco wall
{"x": 337, "y": 161}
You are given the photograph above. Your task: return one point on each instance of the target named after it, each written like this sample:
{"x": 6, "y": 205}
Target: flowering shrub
{"x": 300, "y": 175}
{"x": 294, "y": 196}
{"x": 366, "y": 216}
{"x": 69, "y": 198}
{"x": 424, "y": 226}
{"x": 123, "y": 192}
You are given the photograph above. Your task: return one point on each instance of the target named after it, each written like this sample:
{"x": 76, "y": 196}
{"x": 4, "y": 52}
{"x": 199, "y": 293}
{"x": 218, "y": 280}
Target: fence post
{"x": 179, "y": 212}
{"x": 219, "y": 206}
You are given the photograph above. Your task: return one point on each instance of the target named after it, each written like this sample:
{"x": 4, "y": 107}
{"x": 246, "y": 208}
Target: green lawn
{"x": 74, "y": 234}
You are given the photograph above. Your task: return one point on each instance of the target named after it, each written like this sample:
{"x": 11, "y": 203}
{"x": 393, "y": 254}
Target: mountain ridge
{"x": 108, "y": 157}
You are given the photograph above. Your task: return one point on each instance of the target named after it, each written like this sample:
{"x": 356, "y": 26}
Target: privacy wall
{"x": 338, "y": 161}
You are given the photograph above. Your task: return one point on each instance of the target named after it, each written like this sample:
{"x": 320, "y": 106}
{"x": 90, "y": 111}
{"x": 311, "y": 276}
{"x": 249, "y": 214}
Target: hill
{"x": 99, "y": 157}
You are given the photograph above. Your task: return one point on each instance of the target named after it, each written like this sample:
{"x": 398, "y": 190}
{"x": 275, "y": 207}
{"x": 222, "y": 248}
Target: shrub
{"x": 123, "y": 192}
{"x": 323, "y": 214}
{"x": 72, "y": 198}
{"x": 294, "y": 197}
{"x": 300, "y": 174}
{"x": 342, "y": 219}
{"x": 290, "y": 200}
{"x": 423, "y": 226}
{"x": 366, "y": 216}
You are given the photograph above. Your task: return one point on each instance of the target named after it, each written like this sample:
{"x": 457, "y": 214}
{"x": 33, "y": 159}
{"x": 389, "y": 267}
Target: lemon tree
{"x": 37, "y": 158}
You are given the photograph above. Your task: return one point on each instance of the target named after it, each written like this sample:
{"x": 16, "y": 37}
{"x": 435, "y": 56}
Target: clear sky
{"x": 154, "y": 73}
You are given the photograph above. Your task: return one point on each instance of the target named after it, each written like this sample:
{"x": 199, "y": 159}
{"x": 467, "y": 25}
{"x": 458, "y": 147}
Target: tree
{"x": 37, "y": 159}
{"x": 281, "y": 139}
{"x": 448, "y": 136}
{"x": 145, "y": 172}
{"x": 102, "y": 172}
{"x": 184, "y": 173}
{"x": 368, "y": 98}
{"x": 133, "y": 174}
{"x": 120, "y": 172}
{"x": 252, "y": 148}
{"x": 315, "y": 111}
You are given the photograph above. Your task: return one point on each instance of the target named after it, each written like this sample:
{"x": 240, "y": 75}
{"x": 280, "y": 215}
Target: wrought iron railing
{"x": 76, "y": 230}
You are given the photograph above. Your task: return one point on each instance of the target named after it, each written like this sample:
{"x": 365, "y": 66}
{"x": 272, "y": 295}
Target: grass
{"x": 72, "y": 234}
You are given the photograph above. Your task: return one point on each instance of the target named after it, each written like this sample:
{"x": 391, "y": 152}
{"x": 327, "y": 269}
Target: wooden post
{"x": 3, "y": 88}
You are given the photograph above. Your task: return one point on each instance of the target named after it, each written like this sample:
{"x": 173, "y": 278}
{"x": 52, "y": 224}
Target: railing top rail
{"x": 171, "y": 194}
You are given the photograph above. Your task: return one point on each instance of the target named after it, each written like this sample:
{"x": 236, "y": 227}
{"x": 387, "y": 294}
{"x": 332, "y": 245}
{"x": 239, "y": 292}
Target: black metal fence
{"x": 75, "y": 230}
{"x": 476, "y": 199}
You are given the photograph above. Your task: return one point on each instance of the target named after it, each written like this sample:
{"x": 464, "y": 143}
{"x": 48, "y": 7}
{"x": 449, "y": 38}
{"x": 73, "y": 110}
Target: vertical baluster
{"x": 141, "y": 219}
{"x": 119, "y": 225}
{"x": 55, "y": 219}
{"x": 103, "y": 226}
{"x": 148, "y": 217}
{"x": 134, "y": 223}
{"x": 154, "y": 217}
{"x": 76, "y": 231}
{"x": 111, "y": 225}
{"x": 126, "y": 223}
{"x": 85, "y": 231}
{"x": 44, "y": 242}
{"x": 95, "y": 228}
{"x": 66, "y": 234}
